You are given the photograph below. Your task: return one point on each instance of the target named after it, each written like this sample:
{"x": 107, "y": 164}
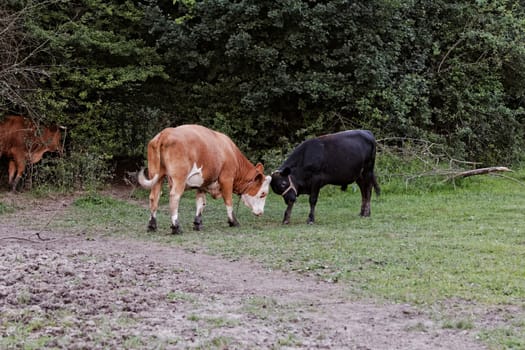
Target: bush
{"x": 78, "y": 171}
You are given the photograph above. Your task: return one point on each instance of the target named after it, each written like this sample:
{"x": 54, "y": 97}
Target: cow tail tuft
{"x": 154, "y": 165}
{"x": 377, "y": 189}
{"x": 144, "y": 182}
{"x": 376, "y": 185}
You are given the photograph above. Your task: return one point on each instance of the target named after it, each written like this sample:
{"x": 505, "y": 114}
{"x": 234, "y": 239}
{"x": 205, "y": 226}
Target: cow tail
{"x": 153, "y": 165}
{"x": 144, "y": 182}
{"x": 377, "y": 189}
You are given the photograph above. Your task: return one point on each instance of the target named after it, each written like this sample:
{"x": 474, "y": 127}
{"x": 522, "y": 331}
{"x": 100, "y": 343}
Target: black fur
{"x": 334, "y": 159}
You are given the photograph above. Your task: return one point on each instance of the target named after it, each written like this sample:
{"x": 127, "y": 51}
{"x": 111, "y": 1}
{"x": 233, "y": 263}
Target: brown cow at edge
{"x": 22, "y": 141}
{"x": 195, "y": 157}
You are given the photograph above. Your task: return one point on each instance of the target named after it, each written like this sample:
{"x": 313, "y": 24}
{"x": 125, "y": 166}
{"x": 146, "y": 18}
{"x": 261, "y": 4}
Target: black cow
{"x": 335, "y": 159}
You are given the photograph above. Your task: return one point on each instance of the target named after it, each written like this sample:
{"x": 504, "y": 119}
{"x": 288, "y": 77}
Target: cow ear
{"x": 260, "y": 168}
{"x": 259, "y": 178}
{"x": 285, "y": 171}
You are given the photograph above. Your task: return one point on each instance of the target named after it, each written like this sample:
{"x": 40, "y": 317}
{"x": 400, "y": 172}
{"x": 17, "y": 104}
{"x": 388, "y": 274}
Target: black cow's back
{"x": 337, "y": 159}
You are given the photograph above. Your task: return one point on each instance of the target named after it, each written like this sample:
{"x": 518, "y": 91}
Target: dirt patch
{"x": 78, "y": 293}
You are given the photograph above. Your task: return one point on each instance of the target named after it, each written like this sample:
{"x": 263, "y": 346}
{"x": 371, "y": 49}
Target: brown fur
{"x": 225, "y": 170}
{"x": 22, "y": 141}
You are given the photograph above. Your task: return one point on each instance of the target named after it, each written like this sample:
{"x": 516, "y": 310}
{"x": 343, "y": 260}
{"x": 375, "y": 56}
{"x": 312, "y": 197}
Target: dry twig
{"x": 479, "y": 171}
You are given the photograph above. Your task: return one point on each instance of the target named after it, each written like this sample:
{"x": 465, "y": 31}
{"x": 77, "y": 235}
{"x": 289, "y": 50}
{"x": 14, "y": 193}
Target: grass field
{"x": 437, "y": 248}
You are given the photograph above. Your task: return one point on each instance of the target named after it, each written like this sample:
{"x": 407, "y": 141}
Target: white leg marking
{"x": 174, "y": 219}
{"x": 200, "y": 202}
{"x": 174, "y": 208}
{"x": 229, "y": 210}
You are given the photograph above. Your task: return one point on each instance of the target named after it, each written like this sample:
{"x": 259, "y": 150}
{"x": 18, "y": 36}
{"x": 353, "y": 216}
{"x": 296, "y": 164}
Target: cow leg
{"x": 176, "y": 191}
{"x": 154, "y": 196}
{"x": 16, "y": 169}
{"x": 200, "y": 202}
{"x": 313, "y": 201}
{"x": 227, "y": 194}
{"x": 288, "y": 213}
{"x": 12, "y": 174}
{"x": 365, "y": 185}
{"x": 232, "y": 220}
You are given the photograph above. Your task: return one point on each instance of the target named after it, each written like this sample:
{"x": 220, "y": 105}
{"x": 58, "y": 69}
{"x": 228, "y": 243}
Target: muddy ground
{"x": 77, "y": 293}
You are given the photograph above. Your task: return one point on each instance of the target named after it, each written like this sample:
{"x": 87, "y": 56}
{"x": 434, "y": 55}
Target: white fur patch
{"x": 229, "y": 211}
{"x": 174, "y": 218}
{"x": 256, "y": 203}
{"x": 200, "y": 202}
{"x": 195, "y": 178}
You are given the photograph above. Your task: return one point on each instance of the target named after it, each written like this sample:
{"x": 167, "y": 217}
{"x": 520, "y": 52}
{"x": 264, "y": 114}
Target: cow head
{"x": 41, "y": 140}
{"x": 254, "y": 197}
{"x": 283, "y": 184}
{"x": 52, "y": 139}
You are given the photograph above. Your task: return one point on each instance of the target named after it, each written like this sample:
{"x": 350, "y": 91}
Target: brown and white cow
{"x": 195, "y": 157}
{"x": 22, "y": 142}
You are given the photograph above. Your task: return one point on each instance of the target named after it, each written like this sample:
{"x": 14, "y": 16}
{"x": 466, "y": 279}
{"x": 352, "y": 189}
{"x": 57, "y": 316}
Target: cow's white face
{"x": 256, "y": 203}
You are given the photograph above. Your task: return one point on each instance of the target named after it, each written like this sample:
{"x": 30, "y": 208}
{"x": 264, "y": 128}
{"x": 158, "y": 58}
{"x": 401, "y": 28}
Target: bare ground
{"x": 77, "y": 293}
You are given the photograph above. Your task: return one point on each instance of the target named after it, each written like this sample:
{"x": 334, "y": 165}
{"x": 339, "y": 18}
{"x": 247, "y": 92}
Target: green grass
{"x": 5, "y": 208}
{"x": 424, "y": 246}
{"x": 504, "y": 338}
{"x": 467, "y": 243}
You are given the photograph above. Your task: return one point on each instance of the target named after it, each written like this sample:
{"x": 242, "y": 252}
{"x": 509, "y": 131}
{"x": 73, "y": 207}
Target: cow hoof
{"x": 197, "y": 223}
{"x": 152, "y": 227}
{"x": 310, "y": 220}
{"x": 176, "y": 230}
{"x": 286, "y": 222}
{"x": 234, "y": 223}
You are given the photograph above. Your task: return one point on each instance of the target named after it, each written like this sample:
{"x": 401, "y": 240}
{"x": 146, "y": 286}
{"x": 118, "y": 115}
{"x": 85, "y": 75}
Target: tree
{"x": 477, "y": 106}
{"x": 277, "y": 72}
{"x": 19, "y": 75}
{"x": 291, "y": 68}
{"x": 272, "y": 73}
{"x": 102, "y": 74}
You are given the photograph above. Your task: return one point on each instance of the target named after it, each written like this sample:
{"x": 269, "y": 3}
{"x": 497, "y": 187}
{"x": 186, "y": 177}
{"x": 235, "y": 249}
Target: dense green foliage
{"x": 421, "y": 69}
{"x": 271, "y": 73}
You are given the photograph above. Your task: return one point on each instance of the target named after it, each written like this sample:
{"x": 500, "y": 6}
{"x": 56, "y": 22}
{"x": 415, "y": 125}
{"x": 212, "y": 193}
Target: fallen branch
{"x": 479, "y": 171}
